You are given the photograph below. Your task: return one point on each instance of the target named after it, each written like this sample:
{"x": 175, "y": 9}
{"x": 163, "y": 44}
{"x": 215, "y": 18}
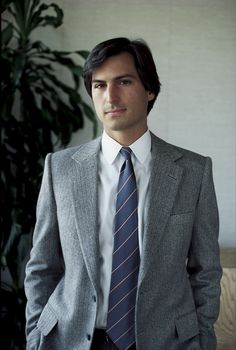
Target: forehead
{"x": 118, "y": 65}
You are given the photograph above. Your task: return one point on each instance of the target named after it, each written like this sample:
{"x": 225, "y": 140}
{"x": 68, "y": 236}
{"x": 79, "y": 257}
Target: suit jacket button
{"x": 94, "y": 298}
{"x": 88, "y": 336}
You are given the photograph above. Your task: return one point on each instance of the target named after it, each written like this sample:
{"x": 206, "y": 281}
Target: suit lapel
{"x": 85, "y": 185}
{"x": 164, "y": 182}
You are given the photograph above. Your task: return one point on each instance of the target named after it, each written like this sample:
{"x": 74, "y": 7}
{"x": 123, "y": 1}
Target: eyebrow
{"x": 116, "y": 78}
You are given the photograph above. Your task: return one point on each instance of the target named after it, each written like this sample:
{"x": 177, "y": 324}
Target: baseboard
{"x": 228, "y": 257}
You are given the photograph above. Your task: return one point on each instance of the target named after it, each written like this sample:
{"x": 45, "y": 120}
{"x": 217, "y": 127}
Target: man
{"x": 125, "y": 252}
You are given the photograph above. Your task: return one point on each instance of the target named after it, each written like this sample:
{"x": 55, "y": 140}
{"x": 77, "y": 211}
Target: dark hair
{"x": 143, "y": 59}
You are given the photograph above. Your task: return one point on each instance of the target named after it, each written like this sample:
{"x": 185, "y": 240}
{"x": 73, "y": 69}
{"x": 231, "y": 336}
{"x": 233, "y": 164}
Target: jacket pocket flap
{"x": 47, "y": 320}
{"x": 181, "y": 219}
{"x": 187, "y": 326}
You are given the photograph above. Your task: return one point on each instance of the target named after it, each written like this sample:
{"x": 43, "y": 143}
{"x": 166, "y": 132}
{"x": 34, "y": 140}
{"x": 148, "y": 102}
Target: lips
{"x": 115, "y": 110}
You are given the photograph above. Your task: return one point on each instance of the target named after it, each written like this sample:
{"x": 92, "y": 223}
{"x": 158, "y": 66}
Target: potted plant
{"x": 38, "y": 109}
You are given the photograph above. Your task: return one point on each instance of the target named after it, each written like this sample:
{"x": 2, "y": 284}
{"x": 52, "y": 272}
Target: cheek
{"x": 140, "y": 102}
{"x": 138, "y": 97}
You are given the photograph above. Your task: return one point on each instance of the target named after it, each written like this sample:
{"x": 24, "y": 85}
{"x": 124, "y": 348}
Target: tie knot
{"x": 126, "y": 152}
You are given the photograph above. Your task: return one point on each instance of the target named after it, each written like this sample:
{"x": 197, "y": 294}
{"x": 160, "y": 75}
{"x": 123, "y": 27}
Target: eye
{"x": 99, "y": 85}
{"x": 125, "y": 82}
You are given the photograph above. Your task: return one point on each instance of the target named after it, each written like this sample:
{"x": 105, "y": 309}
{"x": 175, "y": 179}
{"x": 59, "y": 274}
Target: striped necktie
{"x": 126, "y": 259}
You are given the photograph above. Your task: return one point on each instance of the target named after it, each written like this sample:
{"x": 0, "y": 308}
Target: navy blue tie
{"x": 126, "y": 259}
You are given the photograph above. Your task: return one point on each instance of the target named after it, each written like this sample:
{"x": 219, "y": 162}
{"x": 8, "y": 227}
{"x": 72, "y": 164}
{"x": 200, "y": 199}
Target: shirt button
{"x": 88, "y": 336}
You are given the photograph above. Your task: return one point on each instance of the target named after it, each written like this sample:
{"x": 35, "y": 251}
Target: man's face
{"x": 119, "y": 97}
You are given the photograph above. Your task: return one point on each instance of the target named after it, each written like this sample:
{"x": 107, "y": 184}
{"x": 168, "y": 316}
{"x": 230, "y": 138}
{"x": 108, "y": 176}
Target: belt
{"x": 100, "y": 336}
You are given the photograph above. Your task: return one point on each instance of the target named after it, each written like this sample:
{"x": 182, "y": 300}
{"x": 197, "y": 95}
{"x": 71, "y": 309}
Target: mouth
{"x": 115, "y": 111}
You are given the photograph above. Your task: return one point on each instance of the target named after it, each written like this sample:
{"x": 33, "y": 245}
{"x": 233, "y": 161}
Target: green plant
{"x": 38, "y": 109}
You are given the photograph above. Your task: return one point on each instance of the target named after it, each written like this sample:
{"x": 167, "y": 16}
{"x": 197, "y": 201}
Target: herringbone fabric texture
{"x": 126, "y": 259}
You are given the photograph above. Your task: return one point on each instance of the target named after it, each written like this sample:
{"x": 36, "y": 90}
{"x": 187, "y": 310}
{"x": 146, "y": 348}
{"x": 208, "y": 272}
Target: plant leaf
{"x": 14, "y": 235}
{"x": 7, "y": 34}
{"x": 83, "y": 53}
{"x": 39, "y": 20}
{"x": 18, "y": 66}
{"x": 5, "y": 4}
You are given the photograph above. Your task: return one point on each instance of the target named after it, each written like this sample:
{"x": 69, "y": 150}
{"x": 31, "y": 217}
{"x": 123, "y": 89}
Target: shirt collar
{"x": 141, "y": 147}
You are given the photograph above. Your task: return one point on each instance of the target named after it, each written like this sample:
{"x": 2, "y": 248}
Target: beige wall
{"x": 194, "y": 46}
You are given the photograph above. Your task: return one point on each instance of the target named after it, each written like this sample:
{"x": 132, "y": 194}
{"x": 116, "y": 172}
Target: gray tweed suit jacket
{"x": 179, "y": 280}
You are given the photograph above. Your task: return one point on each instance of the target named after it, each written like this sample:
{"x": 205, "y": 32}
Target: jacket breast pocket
{"x": 47, "y": 320}
{"x": 187, "y": 326}
{"x": 181, "y": 219}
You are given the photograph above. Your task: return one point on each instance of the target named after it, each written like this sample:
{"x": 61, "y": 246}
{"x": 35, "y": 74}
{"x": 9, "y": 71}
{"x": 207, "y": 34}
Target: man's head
{"x": 143, "y": 60}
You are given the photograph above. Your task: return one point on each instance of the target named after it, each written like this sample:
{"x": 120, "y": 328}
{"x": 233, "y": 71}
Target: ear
{"x": 151, "y": 96}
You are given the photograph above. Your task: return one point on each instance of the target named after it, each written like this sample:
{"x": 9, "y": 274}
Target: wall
{"x": 194, "y": 46}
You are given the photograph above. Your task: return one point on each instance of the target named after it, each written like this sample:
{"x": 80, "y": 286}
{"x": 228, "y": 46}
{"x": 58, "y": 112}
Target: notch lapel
{"x": 85, "y": 192}
{"x": 164, "y": 182}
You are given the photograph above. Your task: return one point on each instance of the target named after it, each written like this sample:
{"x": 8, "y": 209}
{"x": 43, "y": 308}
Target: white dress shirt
{"x": 110, "y": 162}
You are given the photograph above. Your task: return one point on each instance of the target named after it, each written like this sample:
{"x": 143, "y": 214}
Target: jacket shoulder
{"x": 77, "y": 153}
{"x": 177, "y": 153}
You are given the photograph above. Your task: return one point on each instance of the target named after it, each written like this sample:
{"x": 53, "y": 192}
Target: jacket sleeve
{"x": 204, "y": 262}
{"x": 45, "y": 266}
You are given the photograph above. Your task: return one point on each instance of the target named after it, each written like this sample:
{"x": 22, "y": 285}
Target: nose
{"x": 112, "y": 94}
